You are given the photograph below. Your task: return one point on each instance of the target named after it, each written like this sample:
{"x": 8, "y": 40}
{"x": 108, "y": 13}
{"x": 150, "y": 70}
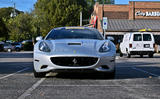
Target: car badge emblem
{"x": 74, "y": 61}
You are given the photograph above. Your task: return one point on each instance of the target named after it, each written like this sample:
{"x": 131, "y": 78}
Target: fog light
{"x": 105, "y": 67}
{"x": 44, "y": 66}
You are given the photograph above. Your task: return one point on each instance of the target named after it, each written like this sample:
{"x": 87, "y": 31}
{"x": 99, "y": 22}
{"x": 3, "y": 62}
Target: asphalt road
{"x": 136, "y": 78}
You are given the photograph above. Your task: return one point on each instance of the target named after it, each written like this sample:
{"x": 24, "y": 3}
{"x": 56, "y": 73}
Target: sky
{"x": 127, "y": 1}
{"x": 27, "y": 5}
{"x": 22, "y": 5}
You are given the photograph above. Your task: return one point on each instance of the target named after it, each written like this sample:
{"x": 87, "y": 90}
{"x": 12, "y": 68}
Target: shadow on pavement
{"x": 144, "y": 56}
{"x": 91, "y": 76}
{"x": 12, "y": 67}
{"x": 129, "y": 70}
{"x": 132, "y": 70}
{"x": 16, "y": 55}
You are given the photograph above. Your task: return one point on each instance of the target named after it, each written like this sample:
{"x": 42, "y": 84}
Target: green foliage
{"x": 3, "y": 29}
{"x": 48, "y": 14}
{"x": 21, "y": 27}
{"x": 4, "y": 19}
{"x": 6, "y": 12}
{"x": 105, "y": 1}
{"x": 57, "y": 13}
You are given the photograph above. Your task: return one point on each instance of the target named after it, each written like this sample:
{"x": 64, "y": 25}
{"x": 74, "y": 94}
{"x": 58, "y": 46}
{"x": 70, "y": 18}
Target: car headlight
{"x": 44, "y": 47}
{"x": 105, "y": 47}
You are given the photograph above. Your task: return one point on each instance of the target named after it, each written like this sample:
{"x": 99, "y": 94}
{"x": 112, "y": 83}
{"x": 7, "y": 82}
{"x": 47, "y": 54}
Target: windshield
{"x": 74, "y": 34}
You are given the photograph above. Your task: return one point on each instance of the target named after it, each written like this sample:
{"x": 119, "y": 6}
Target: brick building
{"x": 128, "y": 18}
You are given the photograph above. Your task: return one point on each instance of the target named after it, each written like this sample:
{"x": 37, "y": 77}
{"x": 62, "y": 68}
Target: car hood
{"x": 75, "y": 47}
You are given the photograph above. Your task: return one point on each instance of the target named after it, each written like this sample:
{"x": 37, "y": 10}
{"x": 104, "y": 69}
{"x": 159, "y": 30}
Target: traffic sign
{"x": 105, "y": 23}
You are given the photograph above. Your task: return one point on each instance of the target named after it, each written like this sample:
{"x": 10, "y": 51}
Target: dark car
{"x": 1, "y": 47}
{"x": 17, "y": 46}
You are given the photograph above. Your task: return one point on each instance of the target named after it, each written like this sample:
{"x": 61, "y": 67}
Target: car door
{"x": 148, "y": 42}
{"x": 137, "y": 43}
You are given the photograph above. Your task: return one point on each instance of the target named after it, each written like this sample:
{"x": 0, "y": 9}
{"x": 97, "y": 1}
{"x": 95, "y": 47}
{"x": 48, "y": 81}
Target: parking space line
{"x": 141, "y": 85}
{"x": 14, "y": 73}
{"x": 145, "y": 71}
{"x": 28, "y": 91}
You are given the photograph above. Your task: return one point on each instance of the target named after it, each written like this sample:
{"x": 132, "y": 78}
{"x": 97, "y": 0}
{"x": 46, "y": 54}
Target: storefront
{"x": 128, "y": 18}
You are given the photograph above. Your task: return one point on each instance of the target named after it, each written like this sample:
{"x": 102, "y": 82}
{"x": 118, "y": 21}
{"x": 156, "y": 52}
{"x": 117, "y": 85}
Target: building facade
{"x": 128, "y": 18}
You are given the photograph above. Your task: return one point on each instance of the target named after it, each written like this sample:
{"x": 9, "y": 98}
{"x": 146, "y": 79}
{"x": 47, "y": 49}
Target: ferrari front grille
{"x": 74, "y": 61}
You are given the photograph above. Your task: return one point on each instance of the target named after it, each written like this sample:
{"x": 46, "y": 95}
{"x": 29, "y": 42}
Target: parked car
{"x": 137, "y": 43}
{"x": 8, "y": 47}
{"x": 74, "y": 48}
{"x": 17, "y": 46}
{"x": 27, "y": 45}
{"x": 1, "y": 46}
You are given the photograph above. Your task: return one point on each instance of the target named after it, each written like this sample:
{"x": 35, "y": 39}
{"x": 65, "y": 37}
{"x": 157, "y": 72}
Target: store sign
{"x": 153, "y": 13}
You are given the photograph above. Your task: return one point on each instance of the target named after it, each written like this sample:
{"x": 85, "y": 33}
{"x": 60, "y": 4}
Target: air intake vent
{"x": 74, "y": 61}
{"x": 74, "y": 43}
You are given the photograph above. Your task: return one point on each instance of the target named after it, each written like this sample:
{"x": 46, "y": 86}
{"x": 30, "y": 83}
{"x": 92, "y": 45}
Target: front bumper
{"x": 141, "y": 52}
{"x": 43, "y": 63}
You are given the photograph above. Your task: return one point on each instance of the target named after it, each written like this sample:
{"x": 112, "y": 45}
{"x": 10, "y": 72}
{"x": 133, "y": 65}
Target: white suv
{"x": 137, "y": 43}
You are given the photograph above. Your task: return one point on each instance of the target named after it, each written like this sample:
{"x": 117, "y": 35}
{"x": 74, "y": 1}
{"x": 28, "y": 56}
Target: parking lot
{"x": 136, "y": 78}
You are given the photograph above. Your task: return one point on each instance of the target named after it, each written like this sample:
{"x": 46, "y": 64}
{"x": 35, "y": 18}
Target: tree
{"x": 4, "y": 18}
{"x": 21, "y": 27}
{"x": 59, "y": 13}
{"x": 105, "y": 1}
{"x": 3, "y": 30}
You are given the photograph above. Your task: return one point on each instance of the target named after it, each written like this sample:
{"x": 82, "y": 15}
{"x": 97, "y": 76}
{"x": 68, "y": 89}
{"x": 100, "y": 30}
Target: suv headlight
{"x": 44, "y": 47}
{"x": 105, "y": 47}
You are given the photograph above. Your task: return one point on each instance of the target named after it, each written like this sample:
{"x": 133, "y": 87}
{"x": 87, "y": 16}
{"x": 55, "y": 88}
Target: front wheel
{"x": 129, "y": 55}
{"x": 18, "y": 49}
{"x": 121, "y": 54}
{"x": 39, "y": 75}
{"x": 110, "y": 75}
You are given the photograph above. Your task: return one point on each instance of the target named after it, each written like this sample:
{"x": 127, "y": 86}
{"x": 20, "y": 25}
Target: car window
{"x": 6, "y": 44}
{"x": 147, "y": 37}
{"x": 137, "y": 37}
{"x": 74, "y": 34}
{"x": 15, "y": 44}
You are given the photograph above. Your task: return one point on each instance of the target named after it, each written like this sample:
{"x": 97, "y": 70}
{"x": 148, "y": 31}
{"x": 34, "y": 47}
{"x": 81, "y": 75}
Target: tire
{"x": 39, "y": 75}
{"x": 18, "y": 49}
{"x": 121, "y": 55}
{"x": 141, "y": 55}
{"x": 129, "y": 55}
{"x": 110, "y": 75}
{"x": 150, "y": 55}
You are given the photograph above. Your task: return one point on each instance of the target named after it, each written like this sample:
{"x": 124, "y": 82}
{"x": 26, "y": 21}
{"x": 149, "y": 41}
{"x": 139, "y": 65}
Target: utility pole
{"x": 14, "y": 9}
{"x": 13, "y": 14}
{"x": 102, "y": 18}
{"x": 81, "y": 18}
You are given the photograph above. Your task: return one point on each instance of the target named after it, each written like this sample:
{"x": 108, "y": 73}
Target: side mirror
{"x": 39, "y": 38}
{"x": 110, "y": 38}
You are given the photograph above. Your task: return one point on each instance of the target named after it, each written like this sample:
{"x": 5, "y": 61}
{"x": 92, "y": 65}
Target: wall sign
{"x": 147, "y": 13}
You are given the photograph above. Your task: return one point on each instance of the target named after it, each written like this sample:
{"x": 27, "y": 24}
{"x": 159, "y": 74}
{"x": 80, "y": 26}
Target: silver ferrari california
{"x": 74, "y": 49}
